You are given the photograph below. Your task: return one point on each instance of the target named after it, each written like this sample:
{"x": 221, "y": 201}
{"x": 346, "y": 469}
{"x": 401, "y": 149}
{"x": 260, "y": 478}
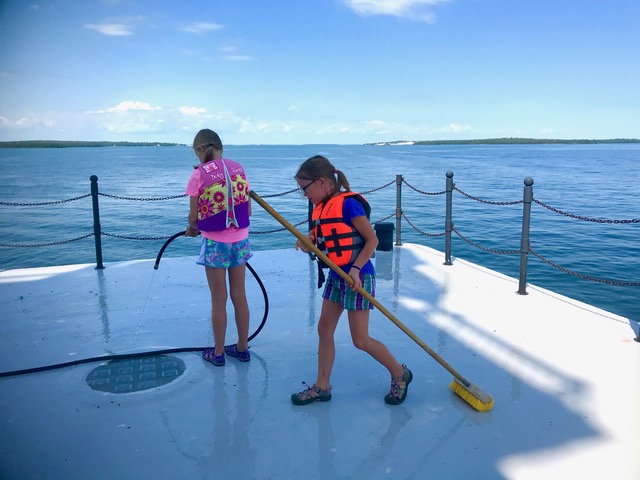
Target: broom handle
{"x": 307, "y": 243}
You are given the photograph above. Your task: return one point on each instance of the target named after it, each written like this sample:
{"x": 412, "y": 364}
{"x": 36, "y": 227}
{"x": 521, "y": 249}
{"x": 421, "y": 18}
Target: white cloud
{"x": 233, "y": 57}
{"x": 111, "y": 29}
{"x": 201, "y": 27}
{"x": 375, "y": 124}
{"x": 128, "y": 117}
{"x": 456, "y": 128}
{"x": 132, "y": 127}
{"x": 290, "y": 127}
{"x": 192, "y": 110}
{"x": 119, "y": 27}
{"x": 237, "y": 58}
{"x": 130, "y": 105}
{"x": 411, "y": 9}
{"x": 245, "y": 126}
{"x": 25, "y": 122}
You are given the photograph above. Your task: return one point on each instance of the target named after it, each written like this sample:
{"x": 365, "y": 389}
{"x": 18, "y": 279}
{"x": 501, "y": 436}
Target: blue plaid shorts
{"x": 337, "y": 290}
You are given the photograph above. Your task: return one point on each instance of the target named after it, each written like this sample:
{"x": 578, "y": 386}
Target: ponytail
{"x": 341, "y": 181}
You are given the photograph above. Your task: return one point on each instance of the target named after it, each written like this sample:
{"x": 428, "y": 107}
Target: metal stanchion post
{"x": 448, "y": 223}
{"x": 398, "y": 209}
{"x": 524, "y": 240}
{"x": 97, "y": 231}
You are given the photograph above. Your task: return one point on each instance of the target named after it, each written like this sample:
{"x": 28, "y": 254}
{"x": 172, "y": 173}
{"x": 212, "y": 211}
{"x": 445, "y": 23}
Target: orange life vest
{"x": 339, "y": 241}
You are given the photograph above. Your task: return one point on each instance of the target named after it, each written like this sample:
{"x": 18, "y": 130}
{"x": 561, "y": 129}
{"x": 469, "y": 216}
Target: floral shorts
{"x": 337, "y": 290}
{"x": 224, "y": 255}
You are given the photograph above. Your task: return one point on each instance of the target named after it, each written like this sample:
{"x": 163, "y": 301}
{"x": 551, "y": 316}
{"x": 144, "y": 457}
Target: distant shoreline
{"x": 71, "y": 144}
{"x": 507, "y": 141}
{"x": 486, "y": 141}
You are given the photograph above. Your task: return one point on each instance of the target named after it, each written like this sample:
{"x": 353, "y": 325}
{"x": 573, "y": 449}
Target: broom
{"x": 470, "y": 393}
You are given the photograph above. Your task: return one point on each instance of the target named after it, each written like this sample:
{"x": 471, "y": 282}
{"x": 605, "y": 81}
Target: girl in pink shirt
{"x": 219, "y": 210}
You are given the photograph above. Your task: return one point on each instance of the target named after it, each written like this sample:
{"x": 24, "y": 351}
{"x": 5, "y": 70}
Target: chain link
{"x": 421, "y": 191}
{"x": 280, "y": 194}
{"x": 420, "y": 231}
{"x": 136, "y": 199}
{"x": 585, "y": 277}
{"x": 384, "y": 218}
{"x": 47, "y": 244}
{"x": 39, "y": 204}
{"x": 499, "y": 252}
{"x": 127, "y": 237}
{"x": 485, "y": 201}
{"x": 585, "y": 219}
{"x": 378, "y": 188}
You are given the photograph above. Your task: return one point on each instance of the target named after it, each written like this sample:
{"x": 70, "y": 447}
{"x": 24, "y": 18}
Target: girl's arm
{"x": 363, "y": 226}
{"x": 192, "y": 229}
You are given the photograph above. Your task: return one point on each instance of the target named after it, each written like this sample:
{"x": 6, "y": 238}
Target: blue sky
{"x": 319, "y": 71}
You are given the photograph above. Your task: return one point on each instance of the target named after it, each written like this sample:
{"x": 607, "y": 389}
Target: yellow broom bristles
{"x": 472, "y": 395}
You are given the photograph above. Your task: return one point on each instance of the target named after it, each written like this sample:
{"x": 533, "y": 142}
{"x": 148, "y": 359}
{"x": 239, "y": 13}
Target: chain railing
{"x": 39, "y": 204}
{"x": 586, "y": 219}
{"x": 449, "y": 226}
{"x": 525, "y": 247}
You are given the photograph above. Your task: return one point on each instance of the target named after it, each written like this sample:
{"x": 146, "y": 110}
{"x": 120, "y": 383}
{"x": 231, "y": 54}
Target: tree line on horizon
{"x": 510, "y": 141}
{"x": 74, "y": 143}
{"x": 487, "y": 141}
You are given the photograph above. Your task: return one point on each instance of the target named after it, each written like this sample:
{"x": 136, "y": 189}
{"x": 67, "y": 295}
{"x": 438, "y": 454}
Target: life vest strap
{"x": 323, "y": 221}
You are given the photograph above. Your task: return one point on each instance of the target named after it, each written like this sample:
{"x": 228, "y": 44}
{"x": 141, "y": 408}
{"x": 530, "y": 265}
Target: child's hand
{"x": 191, "y": 232}
{"x": 301, "y": 246}
{"x": 354, "y": 273}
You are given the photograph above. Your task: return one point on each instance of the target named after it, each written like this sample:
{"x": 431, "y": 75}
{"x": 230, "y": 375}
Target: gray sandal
{"x": 397, "y": 394}
{"x": 311, "y": 394}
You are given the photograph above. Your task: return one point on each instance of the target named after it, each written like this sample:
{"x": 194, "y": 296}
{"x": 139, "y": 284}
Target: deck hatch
{"x": 135, "y": 374}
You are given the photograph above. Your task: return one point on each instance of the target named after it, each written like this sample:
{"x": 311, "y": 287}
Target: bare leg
{"x": 359, "y": 326}
{"x": 217, "y": 279}
{"x": 240, "y": 304}
{"x": 327, "y": 324}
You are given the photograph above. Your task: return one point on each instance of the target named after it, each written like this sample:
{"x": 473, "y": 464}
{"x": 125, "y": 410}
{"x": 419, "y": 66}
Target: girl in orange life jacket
{"x": 343, "y": 230}
{"x": 219, "y": 210}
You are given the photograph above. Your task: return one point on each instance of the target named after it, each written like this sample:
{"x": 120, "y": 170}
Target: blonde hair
{"x": 318, "y": 167}
{"x": 207, "y": 140}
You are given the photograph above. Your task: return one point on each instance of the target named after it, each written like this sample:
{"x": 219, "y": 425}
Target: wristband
{"x": 356, "y": 267}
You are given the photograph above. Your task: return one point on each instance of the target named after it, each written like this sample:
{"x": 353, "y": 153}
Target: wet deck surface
{"x": 565, "y": 377}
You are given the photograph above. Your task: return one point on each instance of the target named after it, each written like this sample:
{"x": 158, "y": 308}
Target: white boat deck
{"x": 565, "y": 377}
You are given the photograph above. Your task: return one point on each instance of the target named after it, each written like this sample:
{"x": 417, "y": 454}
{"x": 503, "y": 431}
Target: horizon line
{"x": 493, "y": 140}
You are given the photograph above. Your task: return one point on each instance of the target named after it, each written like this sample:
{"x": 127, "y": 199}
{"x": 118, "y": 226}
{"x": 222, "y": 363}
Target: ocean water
{"x": 581, "y": 181}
